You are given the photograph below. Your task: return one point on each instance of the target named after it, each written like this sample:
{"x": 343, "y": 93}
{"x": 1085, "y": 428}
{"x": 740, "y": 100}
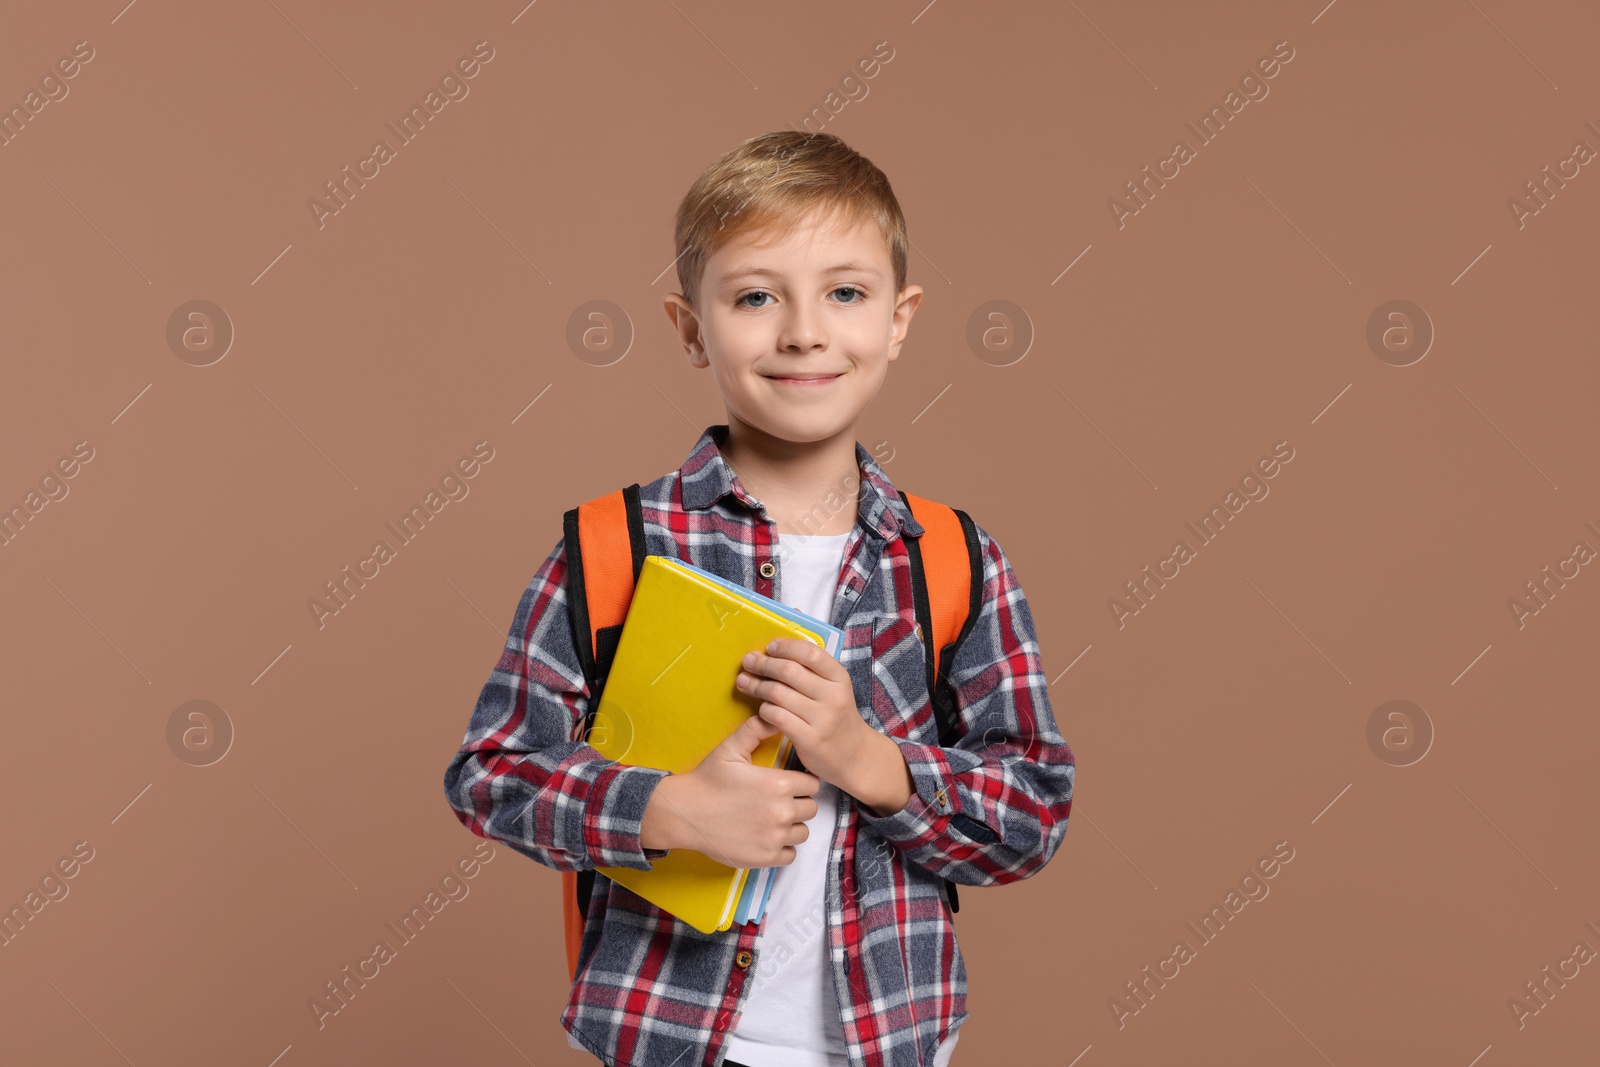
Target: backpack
{"x": 605, "y": 551}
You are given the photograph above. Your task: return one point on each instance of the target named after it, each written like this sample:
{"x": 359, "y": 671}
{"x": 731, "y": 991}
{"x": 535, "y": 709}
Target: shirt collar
{"x": 706, "y": 478}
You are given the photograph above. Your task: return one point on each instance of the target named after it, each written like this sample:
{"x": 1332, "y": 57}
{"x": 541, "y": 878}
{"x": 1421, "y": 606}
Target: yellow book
{"x": 669, "y": 699}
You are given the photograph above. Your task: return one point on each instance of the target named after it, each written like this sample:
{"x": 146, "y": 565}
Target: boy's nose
{"x": 802, "y": 331}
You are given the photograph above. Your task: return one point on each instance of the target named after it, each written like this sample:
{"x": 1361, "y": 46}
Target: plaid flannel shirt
{"x": 651, "y": 991}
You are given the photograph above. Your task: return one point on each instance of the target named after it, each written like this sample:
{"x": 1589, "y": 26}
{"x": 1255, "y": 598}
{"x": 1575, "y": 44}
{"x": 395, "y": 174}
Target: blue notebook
{"x": 758, "y": 884}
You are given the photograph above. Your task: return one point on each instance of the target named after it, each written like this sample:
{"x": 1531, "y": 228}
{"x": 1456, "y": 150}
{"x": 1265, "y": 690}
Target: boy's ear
{"x": 910, "y": 300}
{"x": 687, "y": 324}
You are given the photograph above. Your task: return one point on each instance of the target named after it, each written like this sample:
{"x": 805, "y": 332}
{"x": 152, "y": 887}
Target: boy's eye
{"x": 741, "y": 302}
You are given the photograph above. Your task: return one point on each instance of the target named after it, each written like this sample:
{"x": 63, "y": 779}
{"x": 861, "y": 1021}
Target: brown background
{"x": 1230, "y": 314}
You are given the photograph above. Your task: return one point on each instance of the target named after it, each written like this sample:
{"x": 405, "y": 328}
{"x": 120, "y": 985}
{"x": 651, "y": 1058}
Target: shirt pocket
{"x": 899, "y": 687}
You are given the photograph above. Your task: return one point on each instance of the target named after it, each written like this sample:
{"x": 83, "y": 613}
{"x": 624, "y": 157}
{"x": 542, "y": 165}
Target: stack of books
{"x": 670, "y": 699}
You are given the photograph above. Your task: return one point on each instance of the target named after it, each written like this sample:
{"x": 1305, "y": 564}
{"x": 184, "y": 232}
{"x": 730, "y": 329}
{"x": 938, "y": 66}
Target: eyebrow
{"x": 842, "y": 268}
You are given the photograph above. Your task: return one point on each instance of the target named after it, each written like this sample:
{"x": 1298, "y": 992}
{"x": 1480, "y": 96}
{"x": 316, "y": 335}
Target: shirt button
{"x": 944, "y": 801}
{"x": 743, "y": 958}
{"x": 768, "y": 570}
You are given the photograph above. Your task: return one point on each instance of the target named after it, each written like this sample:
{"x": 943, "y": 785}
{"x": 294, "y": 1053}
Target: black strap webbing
{"x": 596, "y": 661}
{"x": 941, "y": 691}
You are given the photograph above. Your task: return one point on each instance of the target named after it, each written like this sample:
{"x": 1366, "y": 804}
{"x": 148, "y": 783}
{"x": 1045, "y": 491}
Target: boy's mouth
{"x": 805, "y": 381}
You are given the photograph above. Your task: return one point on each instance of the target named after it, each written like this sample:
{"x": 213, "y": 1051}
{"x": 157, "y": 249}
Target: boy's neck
{"x": 807, "y": 487}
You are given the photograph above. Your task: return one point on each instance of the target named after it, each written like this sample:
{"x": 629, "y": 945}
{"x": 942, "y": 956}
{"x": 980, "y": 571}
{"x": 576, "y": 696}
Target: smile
{"x": 805, "y": 383}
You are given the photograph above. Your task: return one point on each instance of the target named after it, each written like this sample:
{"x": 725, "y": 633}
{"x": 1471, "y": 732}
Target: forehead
{"x": 817, "y": 243}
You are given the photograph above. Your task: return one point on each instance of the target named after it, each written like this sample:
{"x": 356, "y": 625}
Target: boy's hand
{"x": 807, "y": 694}
{"x": 730, "y": 809}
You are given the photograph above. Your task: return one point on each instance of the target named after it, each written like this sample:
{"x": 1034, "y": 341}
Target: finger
{"x": 811, "y": 656}
{"x": 762, "y": 728}
{"x": 780, "y": 692}
{"x": 797, "y": 676}
{"x": 802, "y": 783}
{"x": 756, "y": 666}
{"x": 782, "y": 718}
{"x": 788, "y": 647}
{"x": 795, "y": 650}
{"x": 749, "y": 736}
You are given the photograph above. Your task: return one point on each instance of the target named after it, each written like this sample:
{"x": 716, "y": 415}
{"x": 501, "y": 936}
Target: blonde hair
{"x": 771, "y": 182}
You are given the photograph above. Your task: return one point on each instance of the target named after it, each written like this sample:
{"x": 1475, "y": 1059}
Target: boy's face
{"x": 774, "y": 311}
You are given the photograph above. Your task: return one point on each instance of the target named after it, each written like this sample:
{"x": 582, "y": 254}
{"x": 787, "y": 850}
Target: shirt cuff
{"x": 931, "y": 804}
{"x": 614, "y": 815}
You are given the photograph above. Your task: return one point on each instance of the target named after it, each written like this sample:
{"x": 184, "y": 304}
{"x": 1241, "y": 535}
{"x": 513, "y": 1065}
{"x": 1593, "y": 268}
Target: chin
{"x": 804, "y": 430}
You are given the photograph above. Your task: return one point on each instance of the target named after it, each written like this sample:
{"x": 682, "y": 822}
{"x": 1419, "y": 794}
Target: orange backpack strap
{"x": 947, "y": 589}
{"x": 605, "y": 551}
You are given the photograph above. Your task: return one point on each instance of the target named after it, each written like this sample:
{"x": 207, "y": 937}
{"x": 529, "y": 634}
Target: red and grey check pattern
{"x": 652, "y": 991}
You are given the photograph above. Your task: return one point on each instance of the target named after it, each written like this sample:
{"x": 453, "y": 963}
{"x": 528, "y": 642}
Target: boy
{"x": 792, "y": 265}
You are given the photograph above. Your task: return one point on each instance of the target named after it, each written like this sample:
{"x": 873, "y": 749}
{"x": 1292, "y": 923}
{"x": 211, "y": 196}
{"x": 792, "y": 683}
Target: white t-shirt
{"x": 790, "y": 1016}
